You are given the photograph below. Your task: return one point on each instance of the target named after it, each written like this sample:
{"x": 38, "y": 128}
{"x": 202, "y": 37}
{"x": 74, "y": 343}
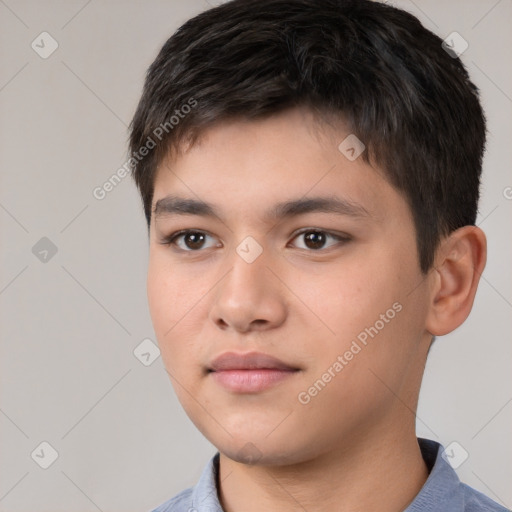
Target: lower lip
{"x": 250, "y": 381}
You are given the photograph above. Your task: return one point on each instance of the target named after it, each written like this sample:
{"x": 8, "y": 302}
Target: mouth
{"x": 249, "y": 373}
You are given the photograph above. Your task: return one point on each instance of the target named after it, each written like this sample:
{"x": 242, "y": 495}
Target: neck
{"x": 379, "y": 471}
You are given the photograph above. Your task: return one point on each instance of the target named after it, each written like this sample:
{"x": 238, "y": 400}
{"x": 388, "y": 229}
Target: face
{"x": 302, "y": 255}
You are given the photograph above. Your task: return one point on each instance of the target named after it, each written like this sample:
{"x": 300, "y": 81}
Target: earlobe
{"x": 460, "y": 260}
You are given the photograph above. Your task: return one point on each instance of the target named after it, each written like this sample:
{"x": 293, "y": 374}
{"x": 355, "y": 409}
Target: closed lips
{"x": 250, "y": 361}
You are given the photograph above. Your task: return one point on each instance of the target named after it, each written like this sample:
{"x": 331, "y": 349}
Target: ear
{"x": 459, "y": 262}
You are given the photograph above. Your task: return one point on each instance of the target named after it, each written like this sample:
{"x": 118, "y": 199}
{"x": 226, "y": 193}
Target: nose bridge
{"x": 249, "y": 275}
{"x": 249, "y": 291}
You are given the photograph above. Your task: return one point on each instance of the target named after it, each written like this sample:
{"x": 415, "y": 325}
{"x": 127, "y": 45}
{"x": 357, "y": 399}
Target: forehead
{"x": 251, "y": 166}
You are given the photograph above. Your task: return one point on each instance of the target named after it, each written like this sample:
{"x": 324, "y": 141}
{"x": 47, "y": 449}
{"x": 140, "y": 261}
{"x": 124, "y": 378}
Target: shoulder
{"x": 443, "y": 491}
{"x": 180, "y": 503}
{"x": 475, "y": 501}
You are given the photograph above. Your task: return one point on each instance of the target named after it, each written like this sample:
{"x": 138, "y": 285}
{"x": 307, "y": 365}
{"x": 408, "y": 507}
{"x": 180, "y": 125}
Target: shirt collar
{"x": 204, "y": 494}
{"x": 440, "y": 493}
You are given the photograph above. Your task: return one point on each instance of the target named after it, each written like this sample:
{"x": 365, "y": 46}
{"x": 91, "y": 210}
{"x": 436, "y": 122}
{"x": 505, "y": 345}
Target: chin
{"x": 279, "y": 451}
{"x": 252, "y": 454}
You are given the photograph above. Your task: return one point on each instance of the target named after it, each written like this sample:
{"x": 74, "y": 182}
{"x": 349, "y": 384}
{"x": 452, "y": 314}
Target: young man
{"x": 310, "y": 176}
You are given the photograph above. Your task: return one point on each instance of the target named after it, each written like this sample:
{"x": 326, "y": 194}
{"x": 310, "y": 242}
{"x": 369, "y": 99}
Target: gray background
{"x": 69, "y": 325}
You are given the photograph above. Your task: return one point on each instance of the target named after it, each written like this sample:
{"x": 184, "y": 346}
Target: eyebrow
{"x": 174, "y": 205}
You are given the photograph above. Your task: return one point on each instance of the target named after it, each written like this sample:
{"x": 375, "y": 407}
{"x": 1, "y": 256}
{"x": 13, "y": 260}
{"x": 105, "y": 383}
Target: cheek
{"x": 384, "y": 319}
{"x": 353, "y": 296}
{"x": 177, "y": 313}
{"x": 171, "y": 290}
{"x": 170, "y": 304}
{"x": 162, "y": 296}
{"x": 370, "y": 300}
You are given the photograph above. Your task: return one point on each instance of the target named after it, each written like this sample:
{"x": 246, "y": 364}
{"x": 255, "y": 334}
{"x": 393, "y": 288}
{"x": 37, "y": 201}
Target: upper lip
{"x": 248, "y": 361}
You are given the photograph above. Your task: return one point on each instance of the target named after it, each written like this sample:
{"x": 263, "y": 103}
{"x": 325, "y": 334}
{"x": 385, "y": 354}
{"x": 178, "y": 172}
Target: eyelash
{"x": 171, "y": 239}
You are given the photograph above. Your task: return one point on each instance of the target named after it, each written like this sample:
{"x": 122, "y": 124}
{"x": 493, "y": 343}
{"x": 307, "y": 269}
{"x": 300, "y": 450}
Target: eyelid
{"x": 340, "y": 237}
{"x": 170, "y": 239}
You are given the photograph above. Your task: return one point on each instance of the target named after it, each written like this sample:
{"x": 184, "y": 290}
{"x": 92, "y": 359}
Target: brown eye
{"x": 316, "y": 239}
{"x": 191, "y": 241}
{"x": 194, "y": 240}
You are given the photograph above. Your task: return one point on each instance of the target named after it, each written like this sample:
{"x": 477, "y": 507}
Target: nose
{"x": 250, "y": 297}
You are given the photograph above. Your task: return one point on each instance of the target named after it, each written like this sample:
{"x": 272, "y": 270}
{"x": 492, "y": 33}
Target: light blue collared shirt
{"x": 442, "y": 492}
